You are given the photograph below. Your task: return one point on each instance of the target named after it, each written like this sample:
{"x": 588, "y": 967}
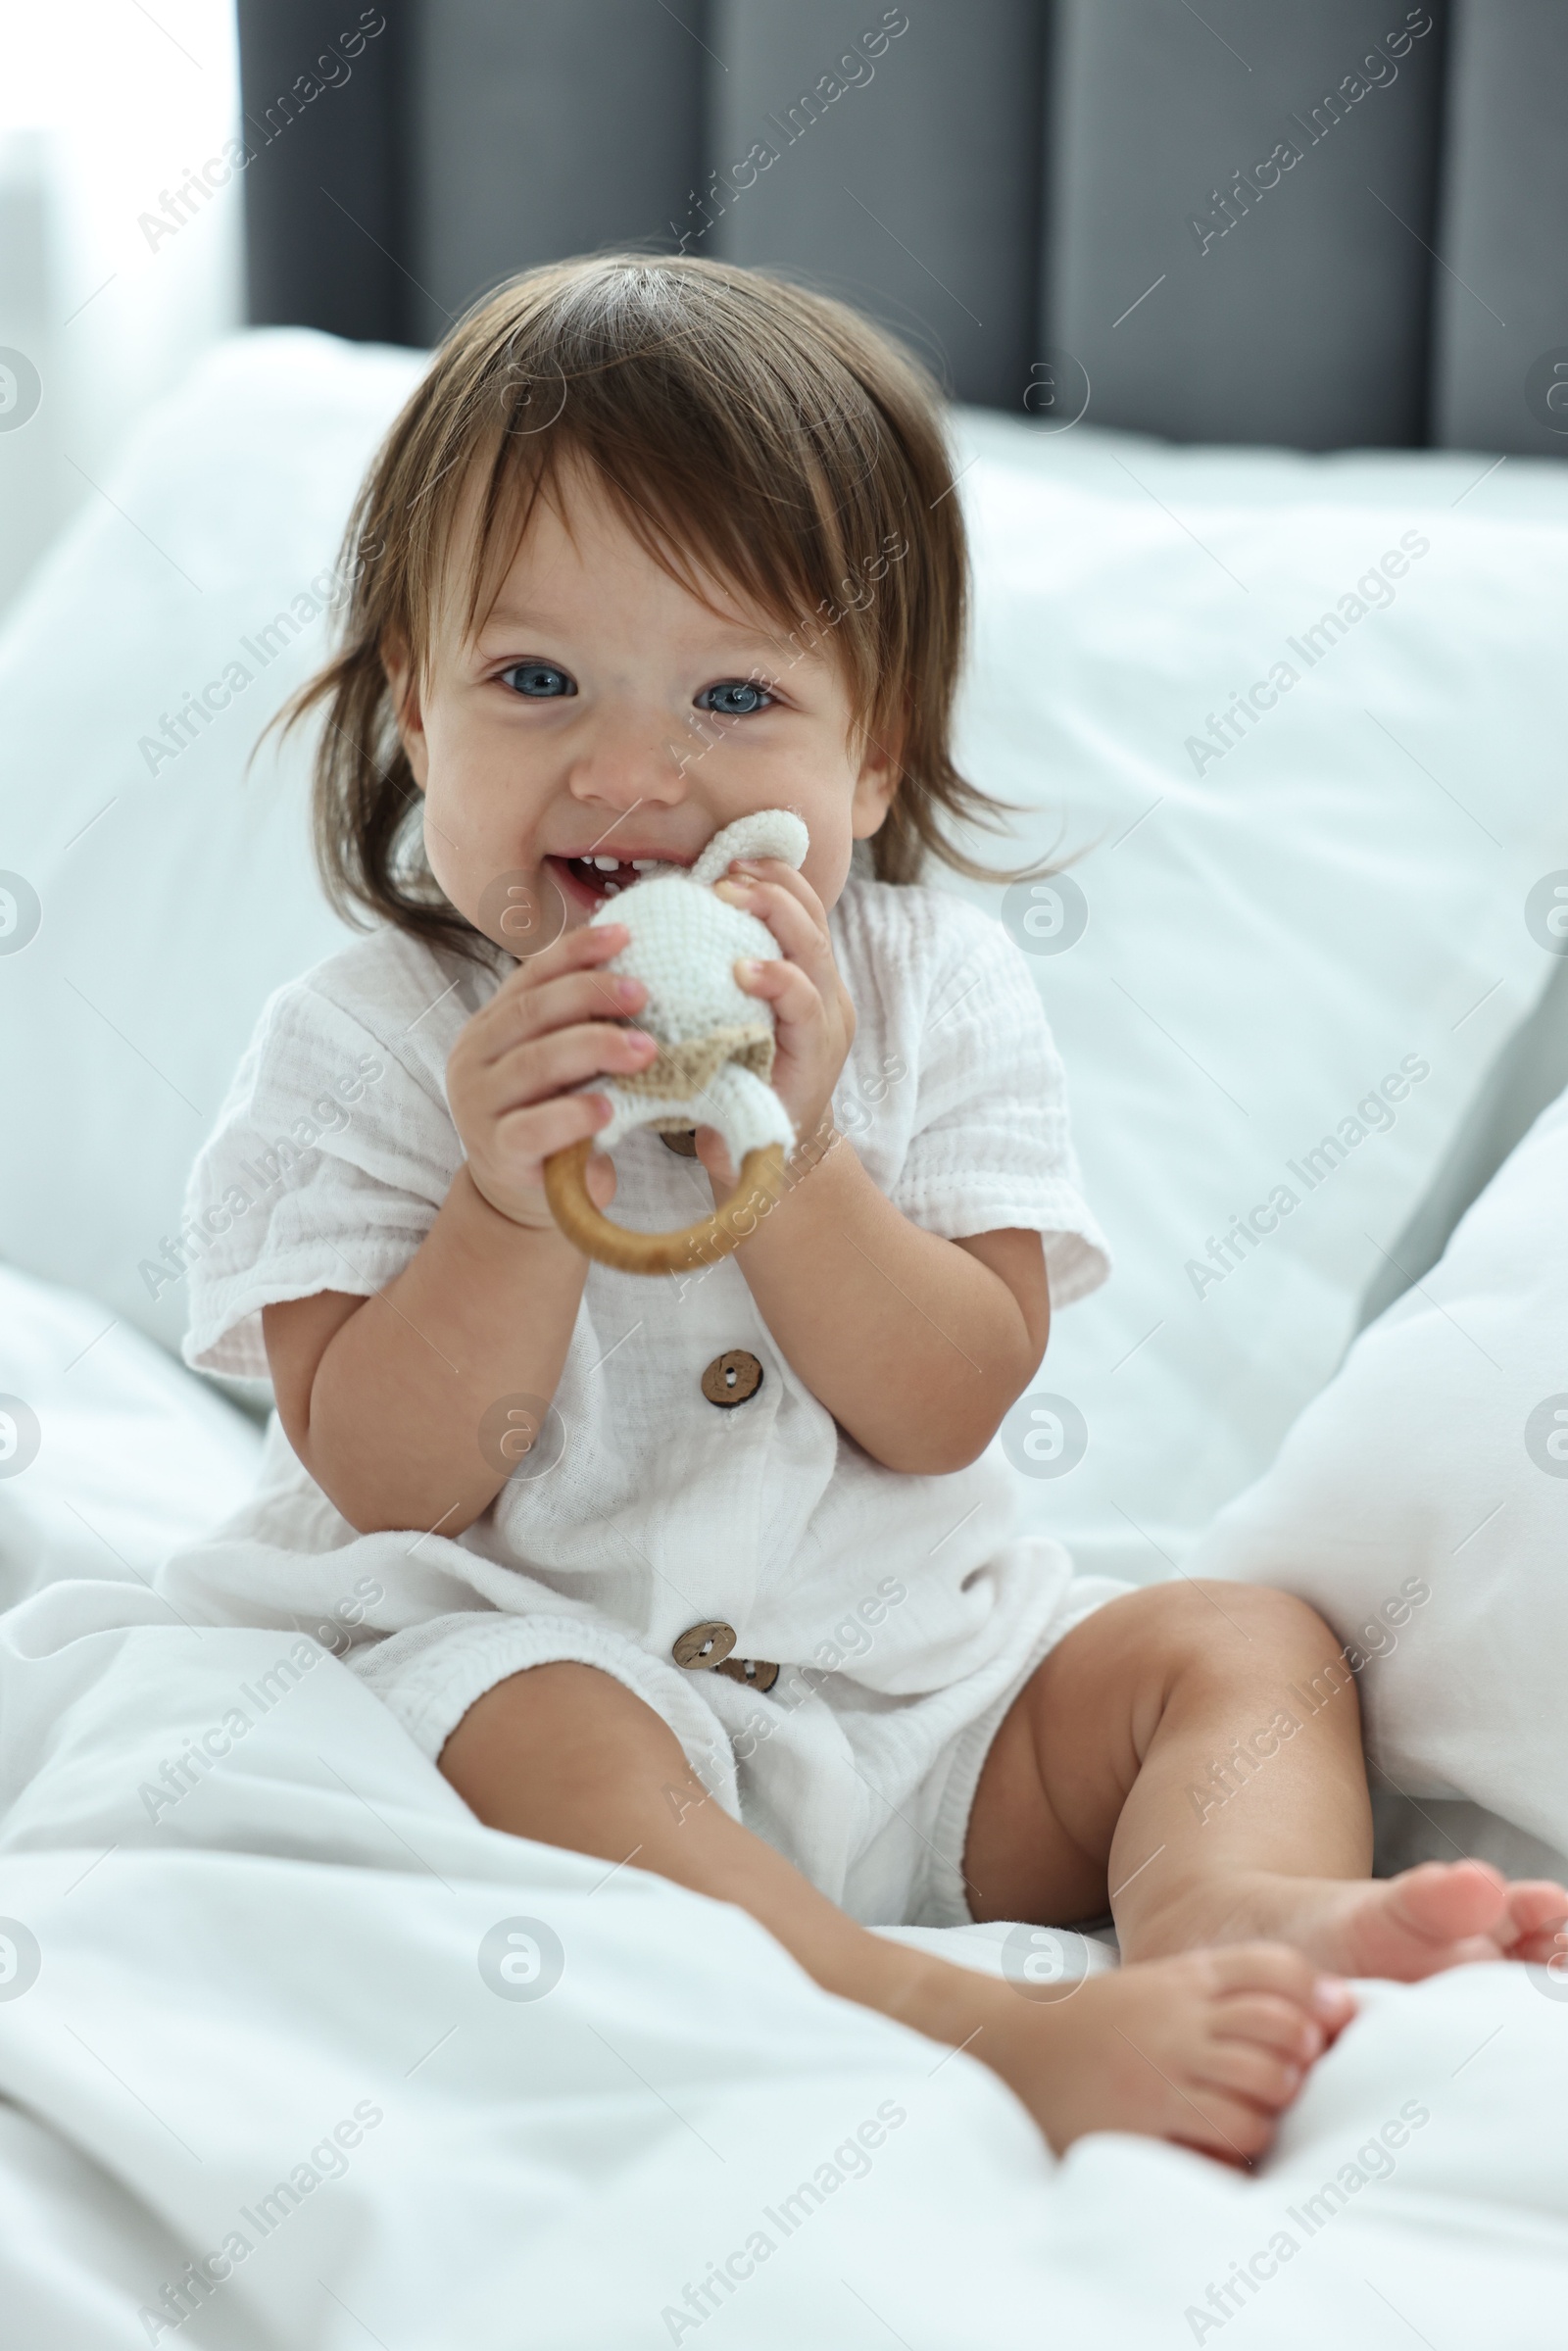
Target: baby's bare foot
{"x": 1207, "y": 2049}
{"x": 1441, "y": 1915}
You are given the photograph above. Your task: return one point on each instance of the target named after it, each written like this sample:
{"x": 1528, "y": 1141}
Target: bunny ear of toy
{"x": 765, "y": 833}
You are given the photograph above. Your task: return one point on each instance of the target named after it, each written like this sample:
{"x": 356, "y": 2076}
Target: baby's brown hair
{"x": 743, "y": 427}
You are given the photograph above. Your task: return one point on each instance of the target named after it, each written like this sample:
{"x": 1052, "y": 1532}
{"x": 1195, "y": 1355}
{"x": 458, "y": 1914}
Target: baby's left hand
{"x": 813, "y": 1016}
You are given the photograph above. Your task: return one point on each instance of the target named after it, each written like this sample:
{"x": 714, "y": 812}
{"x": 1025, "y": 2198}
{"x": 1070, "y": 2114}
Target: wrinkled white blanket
{"x": 300, "y": 2055}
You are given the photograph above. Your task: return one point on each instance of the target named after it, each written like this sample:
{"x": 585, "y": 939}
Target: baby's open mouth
{"x": 599, "y": 876}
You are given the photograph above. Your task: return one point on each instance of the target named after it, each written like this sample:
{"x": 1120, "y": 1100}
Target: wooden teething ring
{"x": 761, "y": 1180}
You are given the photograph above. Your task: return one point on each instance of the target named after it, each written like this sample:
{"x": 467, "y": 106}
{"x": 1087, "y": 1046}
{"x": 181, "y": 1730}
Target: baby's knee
{"x": 561, "y": 1713}
{"x": 1260, "y": 1610}
{"x": 1239, "y": 1626}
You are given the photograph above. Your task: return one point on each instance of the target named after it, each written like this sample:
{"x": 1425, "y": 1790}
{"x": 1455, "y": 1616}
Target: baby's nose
{"x": 629, "y": 762}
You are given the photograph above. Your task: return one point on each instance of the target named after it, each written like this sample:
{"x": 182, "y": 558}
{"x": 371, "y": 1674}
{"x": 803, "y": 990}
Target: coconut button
{"x": 731, "y": 1378}
{"x": 757, "y": 1672}
{"x": 703, "y": 1645}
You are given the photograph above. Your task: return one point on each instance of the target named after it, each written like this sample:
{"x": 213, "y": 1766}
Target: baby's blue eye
{"x": 736, "y": 697}
{"x": 540, "y": 681}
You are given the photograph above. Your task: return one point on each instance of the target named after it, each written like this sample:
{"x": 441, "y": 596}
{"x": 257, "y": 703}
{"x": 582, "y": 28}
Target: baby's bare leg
{"x": 567, "y": 1755}
{"x": 1190, "y": 1756}
{"x": 1205, "y": 2049}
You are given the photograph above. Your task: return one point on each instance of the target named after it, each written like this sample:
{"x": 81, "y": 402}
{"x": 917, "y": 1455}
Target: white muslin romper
{"x": 900, "y": 1611}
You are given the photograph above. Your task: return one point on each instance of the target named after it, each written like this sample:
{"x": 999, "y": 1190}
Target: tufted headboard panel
{"x": 1326, "y": 225}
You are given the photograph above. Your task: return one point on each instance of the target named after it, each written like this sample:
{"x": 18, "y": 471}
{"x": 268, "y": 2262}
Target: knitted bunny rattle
{"x": 716, "y": 1050}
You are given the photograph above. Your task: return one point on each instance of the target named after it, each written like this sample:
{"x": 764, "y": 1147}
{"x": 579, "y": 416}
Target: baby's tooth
{"x": 607, "y": 864}
{"x": 643, "y": 865}
{"x": 612, "y": 889}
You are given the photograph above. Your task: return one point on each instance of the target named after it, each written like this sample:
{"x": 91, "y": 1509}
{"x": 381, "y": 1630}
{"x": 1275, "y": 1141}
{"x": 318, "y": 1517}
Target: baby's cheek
{"x": 827, "y": 863}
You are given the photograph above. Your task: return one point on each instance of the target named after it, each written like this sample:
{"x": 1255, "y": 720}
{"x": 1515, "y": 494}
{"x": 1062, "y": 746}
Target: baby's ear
{"x": 403, "y": 685}
{"x": 397, "y": 663}
{"x": 874, "y": 786}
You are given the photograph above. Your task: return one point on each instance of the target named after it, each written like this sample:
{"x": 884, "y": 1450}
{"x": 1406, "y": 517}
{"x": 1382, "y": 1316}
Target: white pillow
{"x": 1270, "y": 941}
{"x": 110, "y": 1456}
{"x": 176, "y": 893}
{"x": 1421, "y": 1504}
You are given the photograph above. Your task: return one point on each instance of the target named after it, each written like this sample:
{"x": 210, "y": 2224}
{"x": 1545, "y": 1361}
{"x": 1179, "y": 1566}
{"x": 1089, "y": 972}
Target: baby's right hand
{"x": 551, "y": 1025}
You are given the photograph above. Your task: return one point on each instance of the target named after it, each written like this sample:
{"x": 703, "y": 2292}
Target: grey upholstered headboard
{"x": 1319, "y": 223}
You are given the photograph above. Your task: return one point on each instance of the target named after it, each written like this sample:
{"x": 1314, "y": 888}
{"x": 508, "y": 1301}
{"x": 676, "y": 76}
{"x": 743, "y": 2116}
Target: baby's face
{"x": 604, "y": 716}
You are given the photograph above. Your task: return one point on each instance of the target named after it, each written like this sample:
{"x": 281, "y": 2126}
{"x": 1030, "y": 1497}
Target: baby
{"x": 713, "y": 1575}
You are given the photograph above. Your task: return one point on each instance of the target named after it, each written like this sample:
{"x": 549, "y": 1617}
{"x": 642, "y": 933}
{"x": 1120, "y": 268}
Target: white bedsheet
{"x": 124, "y": 1455}
{"x": 297, "y": 1938}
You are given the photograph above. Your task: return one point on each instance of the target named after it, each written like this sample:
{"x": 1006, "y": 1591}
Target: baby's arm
{"x": 917, "y": 1344}
{"x": 382, "y": 1397}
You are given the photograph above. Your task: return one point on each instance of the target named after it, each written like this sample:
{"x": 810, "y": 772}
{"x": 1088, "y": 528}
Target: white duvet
{"x": 1436, "y": 1464}
{"x": 297, "y": 2054}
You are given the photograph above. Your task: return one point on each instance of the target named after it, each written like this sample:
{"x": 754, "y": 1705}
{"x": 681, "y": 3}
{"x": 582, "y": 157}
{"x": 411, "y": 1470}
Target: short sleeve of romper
{"x": 334, "y": 1147}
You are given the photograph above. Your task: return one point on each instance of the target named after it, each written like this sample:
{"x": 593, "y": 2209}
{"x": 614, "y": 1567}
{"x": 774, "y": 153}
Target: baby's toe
{"x": 1274, "y": 1969}
{"x": 1536, "y": 1910}
{"x": 1242, "y": 2068}
{"x": 1282, "y": 2026}
{"x": 1218, "y": 2123}
{"x": 1449, "y": 1901}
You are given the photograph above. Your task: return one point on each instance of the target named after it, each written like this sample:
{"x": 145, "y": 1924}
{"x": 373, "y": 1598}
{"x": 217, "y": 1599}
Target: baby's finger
{"x": 802, "y": 938}
{"x": 592, "y": 942}
{"x": 713, "y": 1153}
{"x": 545, "y": 1066}
{"x": 524, "y": 1136}
{"x": 795, "y": 996}
{"x": 787, "y": 878}
{"x": 577, "y": 996}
